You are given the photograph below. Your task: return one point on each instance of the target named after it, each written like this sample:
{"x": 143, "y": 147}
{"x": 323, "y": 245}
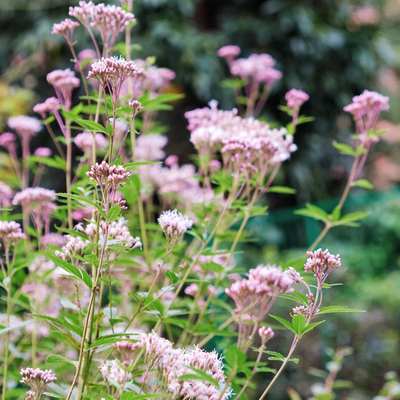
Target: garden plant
{"x": 120, "y": 287}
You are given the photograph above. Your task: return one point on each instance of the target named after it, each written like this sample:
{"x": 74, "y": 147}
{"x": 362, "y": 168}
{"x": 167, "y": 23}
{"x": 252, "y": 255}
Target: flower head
{"x": 229, "y": 53}
{"x": 5, "y": 195}
{"x": 50, "y": 105}
{"x": 266, "y": 334}
{"x": 174, "y": 224}
{"x": 24, "y": 126}
{"x": 295, "y": 98}
{"x": 11, "y": 233}
{"x": 84, "y": 141}
{"x": 64, "y": 82}
{"x": 127, "y": 350}
{"x": 104, "y": 174}
{"x": 82, "y": 12}
{"x": 366, "y": 109}
{"x": 65, "y": 29}
{"x": 37, "y": 379}
{"x": 321, "y": 263}
{"x": 7, "y": 140}
{"x": 43, "y": 152}
{"x": 111, "y": 370}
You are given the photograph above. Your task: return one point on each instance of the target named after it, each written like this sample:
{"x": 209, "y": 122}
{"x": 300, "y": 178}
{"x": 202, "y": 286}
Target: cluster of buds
{"x": 49, "y": 105}
{"x": 127, "y": 351}
{"x": 39, "y": 203}
{"x": 65, "y": 29}
{"x": 256, "y": 295}
{"x": 295, "y": 99}
{"x": 74, "y": 246}
{"x": 266, "y": 334}
{"x": 112, "y": 72}
{"x": 109, "y": 178}
{"x": 64, "y": 82}
{"x": 321, "y": 263}
{"x": 11, "y": 233}
{"x": 37, "y": 379}
{"x": 174, "y": 225}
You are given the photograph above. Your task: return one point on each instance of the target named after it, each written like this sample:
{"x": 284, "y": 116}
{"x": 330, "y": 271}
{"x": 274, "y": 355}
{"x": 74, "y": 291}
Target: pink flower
{"x": 84, "y": 141}
{"x": 174, "y": 224}
{"x": 64, "y": 82}
{"x": 111, "y": 370}
{"x": 87, "y": 54}
{"x": 5, "y": 195}
{"x": 50, "y": 105}
{"x": 11, "y": 233}
{"x": 229, "y": 51}
{"x": 106, "y": 175}
{"x": 136, "y": 107}
{"x": 37, "y": 379}
{"x": 74, "y": 246}
{"x": 266, "y": 333}
{"x": 366, "y": 109}
{"x": 192, "y": 289}
{"x": 65, "y": 29}
{"x": 24, "y": 126}
{"x": 52, "y": 239}
{"x": 321, "y": 263}
{"x": 149, "y": 147}
{"x": 295, "y": 98}
{"x": 43, "y": 152}
{"x": 127, "y": 350}
{"x": 7, "y": 140}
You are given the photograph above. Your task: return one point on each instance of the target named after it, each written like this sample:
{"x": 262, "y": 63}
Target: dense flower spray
{"x": 37, "y": 379}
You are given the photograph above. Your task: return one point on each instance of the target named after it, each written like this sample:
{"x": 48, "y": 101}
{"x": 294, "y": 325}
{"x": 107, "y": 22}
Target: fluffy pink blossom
{"x": 43, "y": 152}
{"x": 64, "y": 82}
{"x": 74, "y": 246}
{"x": 82, "y": 12}
{"x": 52, "y": 239}
{"x": 366, "y": 109}
{"x": 24, "y": 126}
{"x": 192, "y": 289}
{"x": 127, "y": 350}
{"x": 111, "y": 370}
{"x": 295, "y": 98}
{"x": 7, "y": 140}
{"x": 10, "y": 233}
{"x": 5, "y": 195}
{"x": 149, "y": 147}
{"x": 84, "y": 141}
{"x": 229, "y": 53}
{"x": 50, "y": 105}
{"x": 256, "y": 294}
{"x": 174, "y": 224}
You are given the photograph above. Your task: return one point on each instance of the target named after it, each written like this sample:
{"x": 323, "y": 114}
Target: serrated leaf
{"x": 285, "y": 323}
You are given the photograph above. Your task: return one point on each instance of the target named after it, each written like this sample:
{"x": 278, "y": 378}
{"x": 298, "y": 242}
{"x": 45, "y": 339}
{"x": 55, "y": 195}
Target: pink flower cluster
{"x": 49, "y": 105}
{"x": 295, "y": 98}
{"x": 366, "y": 109}
{"x": 321, "y": 263}
{"x": 24, "y": 126}
{"x": 7, "y": 140}
{"x": 10, "y": 233}
{"x": 37, "y": 379}
{"x": 74, "y": 246}
{"x": 229, "y": 53}
{"x": 5, "y": 195}
{"x": 150, "y": 147}
{"x": 112, "y": 371}
{"x": 127, "y": 350}
{"x": 112, "y": 72}
{"x": 266, "y": 334}
{"x": 173, "y": 363}
{"x": 65, "y": 29}
{"x": 64, "y": 82}
{"x": 117, "y": 232}
{"x": 84, "y": 141}
{"x": 256, "y": 294}
{"x": 174, "y": 224}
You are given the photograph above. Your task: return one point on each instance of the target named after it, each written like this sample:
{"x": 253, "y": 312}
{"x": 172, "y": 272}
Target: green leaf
{"x": 16, "y": 326}
{"x": 281, "y": 189}
{"x": 275, "y": 354}
{"x": 299, "y": 322}
{"x": 138, "y": 163}
{"x": 363, "y": 183}
{"x": 234, "y": 357}
{"x": 88, "y": 125}
{"x": 344, "y": 148}
{"x": 337, "y": 309}
{"x": 172, "y": 276}
{"x": 59, "y": 321}
{"x": 57, "y": 359}
{"x": 285, "y": 323}
{"x": 79, "y": 273}
{"x": 313, "y": 212}
{"x": 352, "y": 217}
{"x": 54, "y": 162}
{"x": 311, "y": 326}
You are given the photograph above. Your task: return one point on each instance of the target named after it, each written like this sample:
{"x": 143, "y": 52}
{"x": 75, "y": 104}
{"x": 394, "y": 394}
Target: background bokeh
{"x": 333, "y": 50}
